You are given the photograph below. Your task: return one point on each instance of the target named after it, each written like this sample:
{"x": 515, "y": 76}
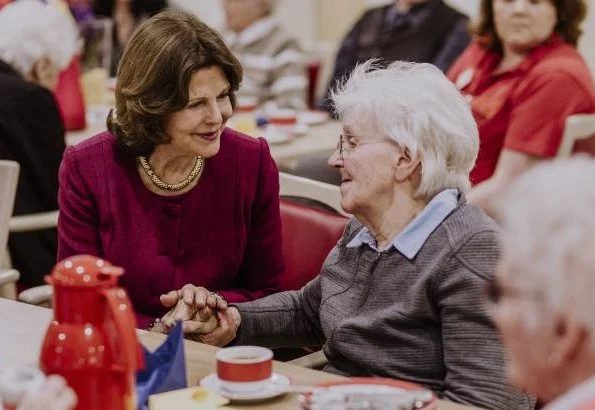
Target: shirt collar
{"x": 575, "y": 397}
{"x": 413, "y": 237}
{"x": 257, "y": 30}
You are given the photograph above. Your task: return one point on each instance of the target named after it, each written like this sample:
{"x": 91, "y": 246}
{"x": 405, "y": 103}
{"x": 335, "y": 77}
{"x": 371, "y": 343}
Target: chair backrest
{"x": 299, "y": 187}
{"x": 579, "y": 135}
{"x": 9, "y": 176}
{"x": 309, "y": 231}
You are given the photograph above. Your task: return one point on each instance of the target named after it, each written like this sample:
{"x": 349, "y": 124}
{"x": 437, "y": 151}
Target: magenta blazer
{"x": 224, "y": 234}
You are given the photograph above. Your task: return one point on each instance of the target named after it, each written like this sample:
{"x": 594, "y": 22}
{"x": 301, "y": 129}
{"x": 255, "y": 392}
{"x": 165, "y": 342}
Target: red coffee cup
{"x": 244, "y": 368}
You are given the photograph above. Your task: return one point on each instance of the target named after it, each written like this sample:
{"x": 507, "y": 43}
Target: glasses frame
{"x": 343, "y": 145}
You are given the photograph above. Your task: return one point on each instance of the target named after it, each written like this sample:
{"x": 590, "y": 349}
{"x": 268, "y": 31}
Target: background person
{"x": 274, "y": 65}
{"x": 36, "y": 42}
{"x": 524, "y": 77}
{"x": 423, "y": 31}
{"x": 543, "y": 294}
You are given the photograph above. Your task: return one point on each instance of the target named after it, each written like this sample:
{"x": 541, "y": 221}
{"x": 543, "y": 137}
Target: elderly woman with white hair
{"x": 274, "y": 65}
{"x": 36, "y": 42}
{"x": 543, "y": 293}
{"x": 400, "y": 295}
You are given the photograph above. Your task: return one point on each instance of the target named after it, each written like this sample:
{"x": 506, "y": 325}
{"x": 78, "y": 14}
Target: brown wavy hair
{"x": 570, "y": 14}
{"x": 155, "y": 72}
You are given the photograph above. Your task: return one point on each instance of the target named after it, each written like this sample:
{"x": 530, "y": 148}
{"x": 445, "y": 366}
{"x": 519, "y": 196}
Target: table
{"x": 319, "y": 138}
{"x": 23, "y": 327}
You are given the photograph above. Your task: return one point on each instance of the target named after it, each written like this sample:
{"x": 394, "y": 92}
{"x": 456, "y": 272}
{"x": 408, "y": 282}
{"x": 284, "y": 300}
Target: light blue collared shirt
{"x": 413, "y": 237}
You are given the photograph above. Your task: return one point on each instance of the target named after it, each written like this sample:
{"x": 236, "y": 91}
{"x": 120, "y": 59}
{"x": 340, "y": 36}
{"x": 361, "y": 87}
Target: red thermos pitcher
{"x": 92, "y": 340}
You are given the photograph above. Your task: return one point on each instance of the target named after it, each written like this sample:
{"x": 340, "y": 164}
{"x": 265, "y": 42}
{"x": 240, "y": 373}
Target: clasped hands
{"x": 205, "y": 315}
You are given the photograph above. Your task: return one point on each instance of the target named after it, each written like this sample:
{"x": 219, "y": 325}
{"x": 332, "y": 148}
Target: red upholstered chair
{"x": 309, "y": 233}
{"x": 312, "y": 222}
{"x": 313, "y": 73}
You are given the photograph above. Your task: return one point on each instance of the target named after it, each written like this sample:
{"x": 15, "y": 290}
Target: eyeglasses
{"x": 495, "y": 292}
{"x": 344, "y": 146}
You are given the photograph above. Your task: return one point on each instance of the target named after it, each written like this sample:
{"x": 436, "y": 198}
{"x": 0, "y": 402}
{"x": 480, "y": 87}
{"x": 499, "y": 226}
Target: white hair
{"x": 31, "y": 30}
{"x": 548, "y": 217}
{"x": 421, "y": 110}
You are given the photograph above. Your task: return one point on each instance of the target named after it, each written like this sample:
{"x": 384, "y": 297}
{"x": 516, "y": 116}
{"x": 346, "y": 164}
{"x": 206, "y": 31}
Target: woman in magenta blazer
{"x": 168, "y": 193}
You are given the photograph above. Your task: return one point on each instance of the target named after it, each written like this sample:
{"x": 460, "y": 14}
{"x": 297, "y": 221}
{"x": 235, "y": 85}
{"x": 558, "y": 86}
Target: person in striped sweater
{"x": 273, "y": 61}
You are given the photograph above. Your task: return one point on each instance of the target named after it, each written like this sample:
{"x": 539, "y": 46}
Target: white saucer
{"x": 313, "y": 117}
{"x": 211, "y": 382}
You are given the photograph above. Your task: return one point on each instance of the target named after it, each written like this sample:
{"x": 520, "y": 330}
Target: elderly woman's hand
{"x": 195, "y": 307}
{"x": 228, "y": 324}
{"x": 54, "y": 395}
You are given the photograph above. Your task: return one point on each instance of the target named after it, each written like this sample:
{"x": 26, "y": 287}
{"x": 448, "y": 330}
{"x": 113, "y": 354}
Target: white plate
{"x": 313, "y": 117}
{"x": 211, "y": 382}
{"x": 275, "y": 136}
{"x": 365, "y": 389}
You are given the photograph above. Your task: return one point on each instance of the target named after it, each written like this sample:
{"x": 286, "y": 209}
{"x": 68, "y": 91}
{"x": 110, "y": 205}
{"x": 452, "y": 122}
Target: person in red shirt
{"x": 524, "y": 77}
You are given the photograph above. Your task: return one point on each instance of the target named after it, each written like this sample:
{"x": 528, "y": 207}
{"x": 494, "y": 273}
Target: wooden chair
{"x": 579, "y": 135}
{"x": 9, "y": 176}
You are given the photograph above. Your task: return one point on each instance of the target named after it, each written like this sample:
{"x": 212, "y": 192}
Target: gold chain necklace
{"x": 195, "y": 173}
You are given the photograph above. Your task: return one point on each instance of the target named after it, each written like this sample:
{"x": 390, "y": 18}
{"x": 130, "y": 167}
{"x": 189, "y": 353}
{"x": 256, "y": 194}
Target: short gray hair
{"x": 31, "y": 30}
{"x": 548, "y": 219}
{"x": 421, "y": 110}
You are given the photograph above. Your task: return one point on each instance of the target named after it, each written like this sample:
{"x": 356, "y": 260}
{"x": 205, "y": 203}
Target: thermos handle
{"x": 121, "y": 309}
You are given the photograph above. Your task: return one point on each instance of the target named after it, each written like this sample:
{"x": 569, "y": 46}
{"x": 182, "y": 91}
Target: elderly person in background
{"x": 274, "y": 66}
{"x": 400, "y": 295}
{"x": 543, "y": 293}
{"x": 168, "y": 192}
{"x": 423, "y": 31}
{"x": 524, "y": 77}
{"x": 36, "y": 42}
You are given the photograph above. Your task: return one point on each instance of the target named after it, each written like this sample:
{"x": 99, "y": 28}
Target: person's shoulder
{"x": 243, "y": 147}
{"x": 234, "y": 138}
{"x": 96, "y": 145}
{"x": 473, "y": 239}
{"x": 562, "y": 60}
{"x": 470, "y": 59}
{"x": 20, "y": 94}
{"x": 469, "y": 222}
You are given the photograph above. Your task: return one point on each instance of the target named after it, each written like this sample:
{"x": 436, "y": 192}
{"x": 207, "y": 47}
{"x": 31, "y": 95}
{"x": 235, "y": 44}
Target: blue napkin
{"x": 165, "y": 368}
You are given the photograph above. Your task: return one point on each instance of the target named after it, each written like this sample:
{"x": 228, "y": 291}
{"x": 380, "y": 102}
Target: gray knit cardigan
{"x": 380, "y": 314}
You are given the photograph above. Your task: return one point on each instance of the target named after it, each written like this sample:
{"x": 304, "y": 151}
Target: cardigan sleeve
{"x": 473, "y": 353}
{"x": 263, "y": 261}
{"x": 286, "y": 319}
{"x": 78, "y": 226}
